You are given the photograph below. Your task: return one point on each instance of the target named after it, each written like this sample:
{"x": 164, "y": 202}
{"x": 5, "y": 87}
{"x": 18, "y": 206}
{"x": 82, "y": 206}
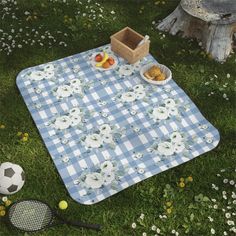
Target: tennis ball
{"x": 63, "y": 205}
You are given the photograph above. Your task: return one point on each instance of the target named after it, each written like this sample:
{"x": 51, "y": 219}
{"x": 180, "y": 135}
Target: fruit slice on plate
{"x": 103, "y": 61}
{"x": 111, "y": 61}
{"x": 98, "y": 57}
{"x": 106, "y": 65}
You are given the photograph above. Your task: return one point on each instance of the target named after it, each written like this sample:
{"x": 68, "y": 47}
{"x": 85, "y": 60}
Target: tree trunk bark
{"x": 199, "y": 19}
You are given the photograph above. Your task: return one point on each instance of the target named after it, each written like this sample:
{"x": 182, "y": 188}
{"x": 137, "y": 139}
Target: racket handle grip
{"x": 79, "y": 223}
{"x": 85, "y": 225}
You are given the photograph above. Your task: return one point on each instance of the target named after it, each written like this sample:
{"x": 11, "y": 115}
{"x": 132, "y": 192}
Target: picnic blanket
{"x": 109, "y": 129}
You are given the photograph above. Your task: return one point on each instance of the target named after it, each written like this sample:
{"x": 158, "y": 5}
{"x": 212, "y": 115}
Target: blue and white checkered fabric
{"x": 145, "y": 141}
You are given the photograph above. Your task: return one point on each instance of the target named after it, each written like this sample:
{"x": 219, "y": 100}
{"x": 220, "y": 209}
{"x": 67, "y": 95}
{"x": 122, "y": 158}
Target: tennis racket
{"x": 34, "y": 215}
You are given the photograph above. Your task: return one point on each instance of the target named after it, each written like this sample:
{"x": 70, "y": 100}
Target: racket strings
{"x": 30, "y": 215}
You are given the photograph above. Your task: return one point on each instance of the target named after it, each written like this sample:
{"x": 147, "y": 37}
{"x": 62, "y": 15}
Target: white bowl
{"x": 164, "y": 69}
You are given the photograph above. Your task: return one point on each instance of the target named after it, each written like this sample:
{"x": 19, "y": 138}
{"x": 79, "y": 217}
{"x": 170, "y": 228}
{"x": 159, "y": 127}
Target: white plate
{"x": 93, "y": 62}
{"x": 164, "y": 69}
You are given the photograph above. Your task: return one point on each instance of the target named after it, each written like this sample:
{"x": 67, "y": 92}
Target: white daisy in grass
{"x": 154, "y": 228}
{"x": 169, "y": 102}
{"x": 134, "y": 225}
{"x": 160, "y": 113}
{"x": 165, "y": 148}
{"x": 93, "y": 141}
{"x": 142, "y": 216}
{"x": 62, "y": 122}
{"x": 128, "y": 97}
{"x": 94, "y": 180}
{"x": 105, "y": 129}
{"x": 107, "y": 167}
{"x": 63, "y": 91}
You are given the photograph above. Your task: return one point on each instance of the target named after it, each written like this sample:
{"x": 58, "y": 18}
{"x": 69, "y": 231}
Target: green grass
{"x": 191, "y": 70}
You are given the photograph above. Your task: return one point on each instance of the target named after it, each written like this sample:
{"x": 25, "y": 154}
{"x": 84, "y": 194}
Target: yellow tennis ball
{"x": 63, "y": 205}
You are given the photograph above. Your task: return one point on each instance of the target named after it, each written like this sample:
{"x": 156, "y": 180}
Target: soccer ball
{"x": 12, "y": 178}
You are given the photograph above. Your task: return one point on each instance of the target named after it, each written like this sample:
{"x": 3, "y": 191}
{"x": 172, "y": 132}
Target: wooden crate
{"x": 125, "y": 42}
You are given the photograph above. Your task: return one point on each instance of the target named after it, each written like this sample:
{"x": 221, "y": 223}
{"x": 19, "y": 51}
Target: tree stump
{"x": 212, "y": 22}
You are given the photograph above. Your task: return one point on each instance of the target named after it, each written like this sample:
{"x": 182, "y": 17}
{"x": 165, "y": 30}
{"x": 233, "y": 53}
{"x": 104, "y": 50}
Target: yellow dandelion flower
{"x": 181, "y": 179}
{"x": 168, "y": 204}
{"x": 19, "y": 133}
{"x": 24, "y": 139}
{"x": 190, "y": 179}
{"x": 26, "y": 135}
{"x": 182, "y": 184}
{"x": 8, "y": 203}
{"x": 2, "y": 208}
{"x": 2, "y": 213}
{"x": 168, "y": 210}
{"x": 2, "y": 126}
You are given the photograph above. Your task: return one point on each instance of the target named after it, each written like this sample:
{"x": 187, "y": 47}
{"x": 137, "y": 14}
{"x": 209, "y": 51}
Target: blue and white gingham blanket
{"x": 107, "y": 130}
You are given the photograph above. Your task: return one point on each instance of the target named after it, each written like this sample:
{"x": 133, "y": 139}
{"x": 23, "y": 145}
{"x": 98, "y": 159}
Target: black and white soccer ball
{"x": 12, "y": 178}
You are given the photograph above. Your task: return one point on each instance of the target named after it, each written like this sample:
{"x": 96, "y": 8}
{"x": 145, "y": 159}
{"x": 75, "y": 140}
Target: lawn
{"x": 66, "y": 27}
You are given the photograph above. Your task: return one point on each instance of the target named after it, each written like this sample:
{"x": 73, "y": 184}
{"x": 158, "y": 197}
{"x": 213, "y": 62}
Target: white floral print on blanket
{"x": 176, "y": 143}
{"x": 138, "y": 92}
{"x": 104, "y": 174}
{"x": 47, "y": 72}
{"x": 170, "y": 108}
{"x": 125, "y": 70}
{"x": 106, "y": 134}
{"x": 74, "y": 87}
{"x": 75, "y": 117}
